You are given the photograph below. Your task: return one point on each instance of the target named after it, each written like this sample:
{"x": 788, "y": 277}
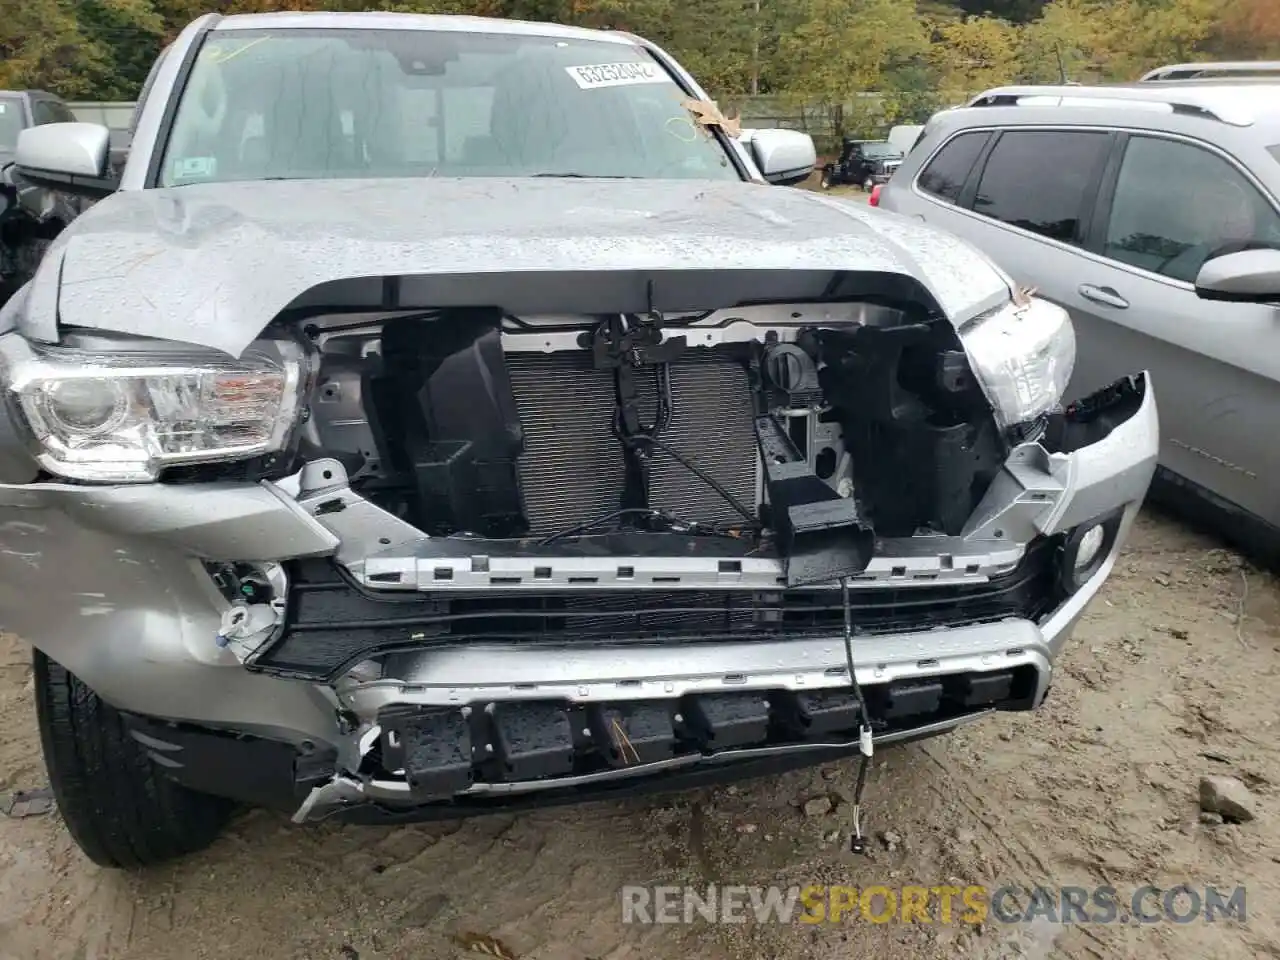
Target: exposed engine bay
{"x": 802, "y": 431}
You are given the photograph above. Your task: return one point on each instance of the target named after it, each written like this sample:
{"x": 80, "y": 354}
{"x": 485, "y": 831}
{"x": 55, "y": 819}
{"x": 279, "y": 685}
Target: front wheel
{"x": 117, "y": 806}
{"x": 825, "y": 182}
{"x": 868, "y": 185}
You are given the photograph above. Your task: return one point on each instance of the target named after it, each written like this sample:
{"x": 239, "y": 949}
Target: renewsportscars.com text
{"x": 942, "y": 904}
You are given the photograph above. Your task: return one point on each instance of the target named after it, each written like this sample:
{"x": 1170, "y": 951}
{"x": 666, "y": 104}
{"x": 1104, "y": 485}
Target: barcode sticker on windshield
{"x": 195, "y": 168}
{"x": 617, "y": 74}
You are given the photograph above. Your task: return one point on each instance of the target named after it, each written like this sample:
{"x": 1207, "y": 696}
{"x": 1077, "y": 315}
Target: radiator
{"x": 572, "y": 469}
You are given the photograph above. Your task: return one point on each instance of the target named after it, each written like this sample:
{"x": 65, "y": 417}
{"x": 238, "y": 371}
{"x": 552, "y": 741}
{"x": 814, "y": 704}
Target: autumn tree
{"x": 871, "y": 60}
{"x": 1247, "y": 28}
{"x": 1148, "y": 33}
{"x": 1071, "y": 40}
{"x": 44, "y": 45}
{"x": 840, "y": 51}
{"x": 973, "y": 54}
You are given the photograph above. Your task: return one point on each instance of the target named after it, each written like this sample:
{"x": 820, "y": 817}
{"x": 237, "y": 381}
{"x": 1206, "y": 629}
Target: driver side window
{"x": 1177, "y": 205}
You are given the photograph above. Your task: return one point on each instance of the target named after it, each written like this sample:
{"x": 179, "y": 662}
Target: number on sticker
{"x": 190, "y": 168}
{"x": 617, "y": 74}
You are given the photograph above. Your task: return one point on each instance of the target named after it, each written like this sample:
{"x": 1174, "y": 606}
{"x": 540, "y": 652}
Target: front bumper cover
{"x": 109, "y": 582}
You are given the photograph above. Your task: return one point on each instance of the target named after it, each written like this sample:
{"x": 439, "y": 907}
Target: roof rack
{"x": 1193, "y": 102}
{"x": 1223, "y": 68}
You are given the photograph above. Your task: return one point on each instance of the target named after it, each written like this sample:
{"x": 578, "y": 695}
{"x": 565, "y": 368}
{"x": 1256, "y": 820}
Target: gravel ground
{"x": 1168, "y": 679}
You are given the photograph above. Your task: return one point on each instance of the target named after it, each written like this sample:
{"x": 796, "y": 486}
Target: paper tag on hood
{"x": 617, "y": 74}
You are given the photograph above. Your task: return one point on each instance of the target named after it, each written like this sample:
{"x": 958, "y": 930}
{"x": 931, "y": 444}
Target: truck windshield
{"x": 334, "y": 103}
{"x": 10, "y": 122}
{"x": 877, "y": 150}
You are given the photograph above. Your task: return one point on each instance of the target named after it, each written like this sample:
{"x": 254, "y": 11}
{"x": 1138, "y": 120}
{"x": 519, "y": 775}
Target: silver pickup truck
{"x": 443, "y": 415}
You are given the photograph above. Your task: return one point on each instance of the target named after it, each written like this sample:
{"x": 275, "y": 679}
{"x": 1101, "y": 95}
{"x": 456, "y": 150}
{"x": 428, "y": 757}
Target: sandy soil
{"x": 1164, "y": 682}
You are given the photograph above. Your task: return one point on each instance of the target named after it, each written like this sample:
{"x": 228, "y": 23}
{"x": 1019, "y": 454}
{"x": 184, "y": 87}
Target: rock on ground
{"x": 1227, "y": 797}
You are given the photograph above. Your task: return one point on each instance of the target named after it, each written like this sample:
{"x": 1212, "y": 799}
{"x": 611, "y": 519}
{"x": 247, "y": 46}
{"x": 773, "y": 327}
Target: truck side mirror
{"x": 72, "y": 157}
{"x": 784, "y": 156}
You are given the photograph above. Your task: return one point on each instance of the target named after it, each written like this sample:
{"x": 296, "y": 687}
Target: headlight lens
{"x": 122, "y": 417}
{"x": 1023, "y": 356}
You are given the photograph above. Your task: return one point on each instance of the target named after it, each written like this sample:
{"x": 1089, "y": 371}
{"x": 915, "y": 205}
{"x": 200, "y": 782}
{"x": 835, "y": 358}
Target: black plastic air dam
{"x": 332, "y": 623}
{"x": 446, "y": 750}
{"x": 657, "y": 783}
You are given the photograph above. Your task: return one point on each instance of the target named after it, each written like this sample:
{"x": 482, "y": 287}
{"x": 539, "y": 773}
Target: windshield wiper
{"x": 589, "y": 176}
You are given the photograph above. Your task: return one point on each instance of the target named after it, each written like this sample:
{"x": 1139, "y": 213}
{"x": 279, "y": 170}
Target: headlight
{"x": 1023, "y": 356}
{"x": 122, "y": 417}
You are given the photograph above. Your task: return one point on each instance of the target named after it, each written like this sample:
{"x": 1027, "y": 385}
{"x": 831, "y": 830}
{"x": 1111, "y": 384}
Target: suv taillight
{"x": 874, "y": 199}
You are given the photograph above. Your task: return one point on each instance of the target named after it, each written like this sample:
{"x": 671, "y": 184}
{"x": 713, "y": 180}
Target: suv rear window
{"x": 946, "y": 173}
{"x": 1039, "y": 180}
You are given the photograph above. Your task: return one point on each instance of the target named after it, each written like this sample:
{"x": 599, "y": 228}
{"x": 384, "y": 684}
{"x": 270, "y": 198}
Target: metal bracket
{"x": 822, "y": 534}
{"x": 361, "y": 527}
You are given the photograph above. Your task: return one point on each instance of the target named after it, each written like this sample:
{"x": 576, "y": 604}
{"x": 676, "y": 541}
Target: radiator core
{"x": 572, "y": 469}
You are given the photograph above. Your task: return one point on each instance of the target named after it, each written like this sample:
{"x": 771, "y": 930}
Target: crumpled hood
{"x": 212, "y": 264}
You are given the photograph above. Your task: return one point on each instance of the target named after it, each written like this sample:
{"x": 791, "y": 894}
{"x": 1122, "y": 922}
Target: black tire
{"x": 117, "y": 806}
{"x": 825, "y": 182}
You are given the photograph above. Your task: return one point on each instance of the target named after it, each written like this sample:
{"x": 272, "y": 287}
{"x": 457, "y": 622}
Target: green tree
{"x": 43, "y": 46}
{"x": 125, "y": 36}
{"x": 870, "y": 60}
{"x": 841, "y": 51}
{"x": 975, "y": 54}
{"x": 1148, "y": 33}
{"x": 1116, "y": 40}
{"x": 1073, "y": 37}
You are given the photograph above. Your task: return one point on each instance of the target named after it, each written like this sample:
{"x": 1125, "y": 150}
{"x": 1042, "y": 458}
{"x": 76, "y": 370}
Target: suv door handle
{"x": 1103, "y": 295}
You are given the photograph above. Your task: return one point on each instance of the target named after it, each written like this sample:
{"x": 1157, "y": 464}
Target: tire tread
{"x": 118, "y": 806}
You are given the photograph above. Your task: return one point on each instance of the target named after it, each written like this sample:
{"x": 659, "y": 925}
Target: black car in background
{"x": 30, "y": 216}
{"x": 864, "y": 162}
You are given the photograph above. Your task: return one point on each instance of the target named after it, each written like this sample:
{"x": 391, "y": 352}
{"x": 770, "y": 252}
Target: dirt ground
{"x": 1164, "y": 682}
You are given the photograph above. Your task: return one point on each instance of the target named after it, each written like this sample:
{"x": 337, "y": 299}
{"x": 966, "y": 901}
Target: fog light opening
{"x": 1086, "y": 550}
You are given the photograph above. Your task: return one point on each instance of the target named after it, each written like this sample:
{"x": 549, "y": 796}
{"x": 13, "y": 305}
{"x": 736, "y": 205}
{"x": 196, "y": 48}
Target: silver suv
{"x": 1148, "y": 211}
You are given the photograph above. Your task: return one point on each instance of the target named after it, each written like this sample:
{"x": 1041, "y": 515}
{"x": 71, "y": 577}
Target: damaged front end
{"x": 510, "y": 554}
{"x": 662, "y": 440}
